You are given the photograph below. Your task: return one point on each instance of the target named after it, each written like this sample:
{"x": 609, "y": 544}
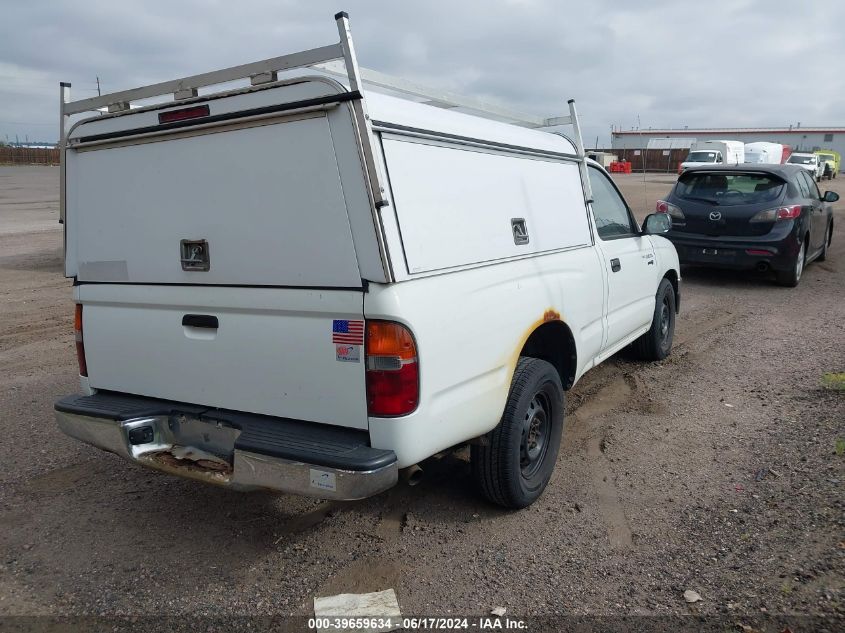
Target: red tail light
{"x": 393, "y": 376}
{"x": 781, "y": 213}
{"x": 80, "y": 346}
{"x": 789, "y": 213}
{"x": 664, "y": 207}
{"x": 184, "y": 114}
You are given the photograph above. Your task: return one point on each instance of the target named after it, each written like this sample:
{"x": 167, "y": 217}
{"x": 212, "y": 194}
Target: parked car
{"x": 759, "y": 217}
{"x": 307, "y": 286}
{"x": 832, "y": 162}
{"x": 809, "y": 162}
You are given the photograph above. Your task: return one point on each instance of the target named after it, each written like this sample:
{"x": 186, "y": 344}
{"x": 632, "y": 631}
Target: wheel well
{"x": 553, "y": 342}
{"x": 672, "y": 276}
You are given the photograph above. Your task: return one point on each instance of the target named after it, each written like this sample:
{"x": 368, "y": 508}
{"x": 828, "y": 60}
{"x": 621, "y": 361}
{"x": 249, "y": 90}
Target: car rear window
{"x": 726, "y": 189}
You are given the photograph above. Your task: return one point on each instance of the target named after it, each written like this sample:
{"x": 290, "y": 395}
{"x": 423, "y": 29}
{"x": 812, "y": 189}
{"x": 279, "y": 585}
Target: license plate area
{"x": 717, "y": 253}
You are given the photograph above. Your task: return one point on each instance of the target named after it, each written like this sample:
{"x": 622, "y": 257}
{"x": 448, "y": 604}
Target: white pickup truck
{"x": 295, "y": 286}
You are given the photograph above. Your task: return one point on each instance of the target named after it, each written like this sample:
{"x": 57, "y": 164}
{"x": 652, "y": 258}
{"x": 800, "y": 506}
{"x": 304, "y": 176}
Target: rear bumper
{"x": 737, "y": 253}
{"x": 235, "y": 450}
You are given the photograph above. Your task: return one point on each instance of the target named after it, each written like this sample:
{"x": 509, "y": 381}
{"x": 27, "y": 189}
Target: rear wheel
{"x": 657, "y": 342}
{"x": 828, "y": 236}
{"x": 792, "y": 276}
{"x": 514, "y": 462}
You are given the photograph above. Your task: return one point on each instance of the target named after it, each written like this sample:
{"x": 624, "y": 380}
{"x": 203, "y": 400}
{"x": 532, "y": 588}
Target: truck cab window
{"x": 719, "y": 157}
{"x": 609, "y": 209}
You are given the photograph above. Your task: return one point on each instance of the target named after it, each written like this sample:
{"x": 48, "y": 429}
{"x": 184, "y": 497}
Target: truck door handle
{"x": 615, "y": 266}
{"x": 200, "y": 320}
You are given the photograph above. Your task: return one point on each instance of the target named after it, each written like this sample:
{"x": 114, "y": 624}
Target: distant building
{"x": 35, "y": 145}
{"x": 800, "y": 139}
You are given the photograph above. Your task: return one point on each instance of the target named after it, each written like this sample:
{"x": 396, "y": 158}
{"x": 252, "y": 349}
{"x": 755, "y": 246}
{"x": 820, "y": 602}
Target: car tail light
{"x": 670, "y": 209}
{"x": 184, "y": 114}
{"x": 80, "y": 346}
{"x": 781, "y": 213}
{"x": 393, "y": 376}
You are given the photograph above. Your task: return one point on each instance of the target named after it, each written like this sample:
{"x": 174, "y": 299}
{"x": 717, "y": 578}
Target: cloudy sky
{"x": 664, "y": 63}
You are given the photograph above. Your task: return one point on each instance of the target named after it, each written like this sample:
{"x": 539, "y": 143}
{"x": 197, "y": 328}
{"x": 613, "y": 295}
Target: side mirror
{"x": 830, "y": 196}
{"x": 657, "y": 224}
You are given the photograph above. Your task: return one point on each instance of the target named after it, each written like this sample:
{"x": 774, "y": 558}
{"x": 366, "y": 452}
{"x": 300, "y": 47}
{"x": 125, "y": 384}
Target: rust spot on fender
{"x": 551, "y": 315}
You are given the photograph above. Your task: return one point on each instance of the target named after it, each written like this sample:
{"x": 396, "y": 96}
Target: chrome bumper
{"x": 245, "y": 471}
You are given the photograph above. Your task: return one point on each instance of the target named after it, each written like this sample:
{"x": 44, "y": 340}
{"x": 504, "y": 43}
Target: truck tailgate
{"x": 272, "y": 351}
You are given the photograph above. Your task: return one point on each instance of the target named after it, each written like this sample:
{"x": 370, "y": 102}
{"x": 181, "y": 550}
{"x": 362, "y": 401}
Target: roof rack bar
{"x": 579, "y": 149}
{"x": 442, "y": 98}
{"x": 364, "y": 129}
{"x": 285, "y": 62}
{"x": 64, "y": 97}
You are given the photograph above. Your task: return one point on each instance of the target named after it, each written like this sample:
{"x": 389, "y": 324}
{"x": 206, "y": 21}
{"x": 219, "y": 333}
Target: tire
{"x": 656, "y": 344}
{"x": 828, "y": 237}
{"x": 515, "y": 461}
{"x": 791, "y": 277}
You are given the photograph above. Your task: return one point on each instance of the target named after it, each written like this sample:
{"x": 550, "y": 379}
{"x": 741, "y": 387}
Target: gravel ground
{"x": 714, "y": 471}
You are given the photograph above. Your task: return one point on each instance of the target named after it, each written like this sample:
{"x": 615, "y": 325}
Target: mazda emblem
{"x": 715, "y": 216}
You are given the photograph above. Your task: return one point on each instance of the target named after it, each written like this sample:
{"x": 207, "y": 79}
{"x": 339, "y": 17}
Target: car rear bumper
{"x": 736, "y": 254}
{"x": 231, "y": 449}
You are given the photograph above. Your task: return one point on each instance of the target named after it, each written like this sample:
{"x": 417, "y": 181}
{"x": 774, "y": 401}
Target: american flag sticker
{"x": 347, "y": 332}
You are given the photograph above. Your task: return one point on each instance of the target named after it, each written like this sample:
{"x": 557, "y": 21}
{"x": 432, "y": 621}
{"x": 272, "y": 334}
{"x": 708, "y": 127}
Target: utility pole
{"x": 98, "y": 86}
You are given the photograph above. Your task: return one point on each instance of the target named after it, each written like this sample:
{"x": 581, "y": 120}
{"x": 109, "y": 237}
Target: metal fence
{"x": 656, "y": 160}
{"x": 28, "y": 156}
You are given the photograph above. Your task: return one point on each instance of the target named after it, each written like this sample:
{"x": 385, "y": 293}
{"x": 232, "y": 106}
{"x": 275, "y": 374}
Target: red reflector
{"x": 752, "y": 251}
{"x": 80, "y": 346}
{"x": 195, "y": 112}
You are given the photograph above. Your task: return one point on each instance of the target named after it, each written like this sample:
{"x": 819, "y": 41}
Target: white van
{"x": 715, "y": 153}
{"x": 764, "y": 153}
{"x": 298, "y": 286}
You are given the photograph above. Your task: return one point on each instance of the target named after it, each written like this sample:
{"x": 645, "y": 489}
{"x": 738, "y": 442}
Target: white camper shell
{"x": 299, "y": 286}
{"x": 715, "y": 153}
{"x": 764, "y": 153}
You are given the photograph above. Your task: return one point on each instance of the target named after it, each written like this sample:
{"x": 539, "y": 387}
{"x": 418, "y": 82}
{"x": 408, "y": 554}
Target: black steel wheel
{"x": 513, "y": 463}
{"x": 656, "y": 344}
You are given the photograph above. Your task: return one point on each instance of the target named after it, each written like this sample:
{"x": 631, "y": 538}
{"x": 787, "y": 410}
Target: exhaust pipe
{"x": 762, "y": 266}
{"x": 412, "y": 474}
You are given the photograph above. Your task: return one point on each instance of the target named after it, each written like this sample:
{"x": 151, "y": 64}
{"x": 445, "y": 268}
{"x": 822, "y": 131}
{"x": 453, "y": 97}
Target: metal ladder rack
{"x": 266, "y": 71}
